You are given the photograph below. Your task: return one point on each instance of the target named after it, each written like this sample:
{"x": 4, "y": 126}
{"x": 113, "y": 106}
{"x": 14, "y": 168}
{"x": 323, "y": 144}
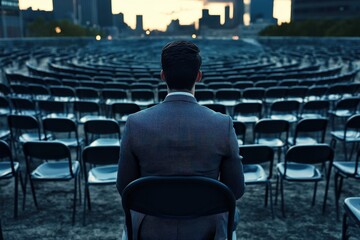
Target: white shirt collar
{"x": 180, "y": 93}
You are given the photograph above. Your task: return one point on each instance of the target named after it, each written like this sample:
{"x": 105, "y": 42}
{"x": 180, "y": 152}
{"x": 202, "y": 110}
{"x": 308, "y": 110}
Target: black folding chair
{"x": 103, "y": 169}
{"x": 352, "y": 211}
{"x": 58, "y": 166}
{"x": 178, "y": 197}
{"x": 299, "y": 166}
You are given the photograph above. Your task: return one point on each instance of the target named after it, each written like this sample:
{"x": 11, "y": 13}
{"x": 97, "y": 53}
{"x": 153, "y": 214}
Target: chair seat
{"x": 4, "y": 111}
{"x": 299, "y": 171}
{"x": 347, "y": 168}
{"x": 240, "y": 142}
{"x": 60, "y": 115}
{"x": 4, "y": 133}
{"x": 65, "y": 99}
{"x": 353, "y": 204}
{"x": 103, "y": 174}
{"x": 112, "y": 101}
{"x": 26, "y": 112}
{"x": 342, "y": 113}
{"x": 302, "y": 141}
{"x": 144, "y": 102}
{"x": 351, "y": 136}
{"x": 246, "y": 119}
{"x": 26, "y": 137}
{"x": 254, "y": 173}
{"x": 202, "y": 102}
{"x": 55, "y": 170}
{"x": 272, "y": 142}
{"x": 249, "y": 100}
{"x": 287, "y": 117}
{"x": 227, "y": 102}
{"x": 311, "y": 115}
{"x": 105, "y": 142}
{"x": 70, "y": 142}
{"x": 5, "y": 169}
{"x": 91, "y": 117}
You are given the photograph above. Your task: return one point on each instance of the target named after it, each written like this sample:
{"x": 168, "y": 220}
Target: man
{"x": 180, "y": 137}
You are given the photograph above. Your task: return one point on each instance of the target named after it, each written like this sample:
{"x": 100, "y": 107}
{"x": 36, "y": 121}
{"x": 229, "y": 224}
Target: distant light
{"x": 147, "y": 32}
{"x": 235, "y": 38}
{"x": 98, "y": 37}
{"x": 58, "y": 30}
{"x": 194, "y": 36}
{"x": 109, "y": 38}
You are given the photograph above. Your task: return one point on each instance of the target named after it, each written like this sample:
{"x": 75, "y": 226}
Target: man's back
{"x": 180, "y": 137}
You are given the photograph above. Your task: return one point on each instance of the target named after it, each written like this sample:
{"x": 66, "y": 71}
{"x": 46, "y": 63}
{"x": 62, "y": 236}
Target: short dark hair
{"x": 181, "y": 63}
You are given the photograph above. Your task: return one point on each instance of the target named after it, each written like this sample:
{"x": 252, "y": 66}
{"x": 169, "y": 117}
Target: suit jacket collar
{"x": 179, "y": 97}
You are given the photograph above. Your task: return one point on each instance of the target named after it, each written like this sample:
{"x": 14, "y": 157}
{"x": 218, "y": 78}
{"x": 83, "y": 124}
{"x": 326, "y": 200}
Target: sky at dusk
{"x": 158, "y": 13}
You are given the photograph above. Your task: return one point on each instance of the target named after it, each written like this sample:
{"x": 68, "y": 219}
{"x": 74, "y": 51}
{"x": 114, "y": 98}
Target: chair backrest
{"x": 60, "y": 125}
{"x": 240, "y": 129}
{"x": 271, "y": 126}
{"x": 47, "y": 151}
{"x": 255, "y": 154}
{"x": 100, "y": 126}
{"x": 216, "y": 107}
{"x": 311, "y": 125}
{"x": 353, "y": 123}
{"x": 310, "y": 154}
{"x": 5, "y": 152}
{"x": 248, "y": 108}
{"x": 101, "y": 154}
{"x": 124, "y": 108}
{"x": 348, "y": 103}
{"x": 178, "y": 197}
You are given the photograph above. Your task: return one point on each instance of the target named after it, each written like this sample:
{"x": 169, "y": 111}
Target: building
{"x": 104, "y": 13}
{"x": 10, "y": 19}
{"x": 324, "y": 9}
{"x": 262, "y": 11}
{"x": 175, "y": 28}
{"x": 238, "y": 12}
{"x": 65, "y": 10}
{"x": 209, "y": 21}
{"x": 139, "y": 24}
{"x": 120, "y": 24}
{"x": 29, "y": 16}
{"x": 87, "y": 12}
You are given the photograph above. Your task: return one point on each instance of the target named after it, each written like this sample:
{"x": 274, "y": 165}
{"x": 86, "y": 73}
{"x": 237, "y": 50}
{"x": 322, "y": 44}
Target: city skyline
{"x": 166, "y": 10}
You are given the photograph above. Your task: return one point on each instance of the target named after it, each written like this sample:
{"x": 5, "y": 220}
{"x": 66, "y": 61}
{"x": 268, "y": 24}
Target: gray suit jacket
{"x": 180, "y": 137}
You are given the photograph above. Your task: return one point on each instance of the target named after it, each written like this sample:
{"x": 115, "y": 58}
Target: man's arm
{"x": 128, "y": 168}
{"x": 231, "y": 169}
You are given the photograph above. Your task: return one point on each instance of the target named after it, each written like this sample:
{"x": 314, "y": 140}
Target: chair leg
{"x": 79, "y": 188}
{"x": 266, "y": 194}
{"x": 84, "y": 206}
{"x": 271, "y": 200}
{"x": 344, "y": 228}
{"x": 345, "y": 151}
{"x": 326, "y": 189}
{"x": 33, "y": 192}
{"x": 337, "y": 196}
{"x": 88, "y": 197}
{"x": 282, "y": 197}
{"x": 276, "y": 188}
{"x": 16, "y": 194}
{"x": 314, "y": 194}
{"x": 1, "y": 235}
{"x": 74, "y": 203}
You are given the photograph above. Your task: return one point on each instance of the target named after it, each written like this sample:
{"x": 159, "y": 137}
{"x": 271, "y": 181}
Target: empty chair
{"x": 181, "y": 198}
{"x": 352, "y": 209}
{"x": 21, "y": 91}
{"x": 5, "y": 110}
{"x": 288, "y": 83}
{"x": 87, "y": 94}
{"x": 240, "y": 131}
{"x": 102, "y": 161}
{"x": 344, "y": 169}
{"x": 285, "y": 109}
{"x": 228, "y": 97}
{"x": 54, "y": 109}
{"x": 296, "y": 93}
{"x": 205, "y": 96}
{"x": 219, "y": 85}
{"x": 63, "y": 130}
{"x": 216, "y": 107}
{"x": 142, "y": 97}
{"x": 121, "y": 111}
{"x": 315, "y": 109}
{"x": 248, "y": 112}
{"x": 5, "y": 90}
{"x": 316, "y": 93}
{"x": 58, "y": 167}
{"x": 95, "y": 130}
{"x": 63, "y": 93}
{"x": 273, "y": 133}
{"x": 243, "y": 85}
{"x": 23, "y": 106}
{"x": 309, "y": 131}
{"x": 343, "y": 109}
{"x": 10, "y": 169}
{"x": 300, "y": 166}
{"x": 92, "y": 84}
{"x": 141, "y": 86}
{"x": 39, "y": 92}
{"x": 254, "y": 172}
{"x": 273, "y": 94}
{"x": 350, "y": 134}
{"x": 335, "y": 92}
{"x": 111, "y": 96}
{"x": 253, "y": 95}
{"x": 266, "y": 83}
{"x": 87, "y": 110}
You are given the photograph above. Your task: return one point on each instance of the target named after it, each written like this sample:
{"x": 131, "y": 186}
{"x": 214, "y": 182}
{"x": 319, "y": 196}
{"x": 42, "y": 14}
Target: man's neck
{"x": 182, "y": 90}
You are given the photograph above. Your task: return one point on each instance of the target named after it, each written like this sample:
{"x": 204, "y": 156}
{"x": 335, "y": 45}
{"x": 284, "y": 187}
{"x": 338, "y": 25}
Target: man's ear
{"x": 162, "y": 75}
{"x": 198, "y": 76}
